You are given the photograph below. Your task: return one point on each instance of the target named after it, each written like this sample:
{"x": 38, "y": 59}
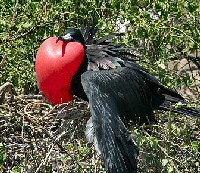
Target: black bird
{"x": 119, "y": 91}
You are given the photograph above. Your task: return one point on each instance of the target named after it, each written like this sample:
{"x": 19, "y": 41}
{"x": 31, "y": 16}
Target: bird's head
{"x": 58, "y": 60}
{"x": 73, "y": 34}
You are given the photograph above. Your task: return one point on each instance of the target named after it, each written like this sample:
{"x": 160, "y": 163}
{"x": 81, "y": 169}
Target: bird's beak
{"x": 66, "y": 38}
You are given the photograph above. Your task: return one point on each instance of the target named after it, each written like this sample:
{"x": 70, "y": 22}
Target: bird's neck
{"x": 76, "y": 86}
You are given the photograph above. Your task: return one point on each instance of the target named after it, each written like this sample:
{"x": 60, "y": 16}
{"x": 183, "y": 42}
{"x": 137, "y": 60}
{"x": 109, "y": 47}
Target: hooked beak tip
{"x": 59, "y": 38}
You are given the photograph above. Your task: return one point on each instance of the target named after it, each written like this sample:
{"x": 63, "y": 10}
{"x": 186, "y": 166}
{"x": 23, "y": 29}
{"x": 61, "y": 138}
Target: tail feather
{"x": 190, "y": 111}
{"x": 171, "y": 98}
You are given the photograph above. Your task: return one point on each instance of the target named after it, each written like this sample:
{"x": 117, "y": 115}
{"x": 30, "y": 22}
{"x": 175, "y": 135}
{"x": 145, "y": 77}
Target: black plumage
{"x": 119, "y": 90}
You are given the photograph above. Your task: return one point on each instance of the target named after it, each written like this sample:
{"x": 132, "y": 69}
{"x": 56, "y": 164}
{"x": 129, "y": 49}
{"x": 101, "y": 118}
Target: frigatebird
{"x": 118, "y": 89}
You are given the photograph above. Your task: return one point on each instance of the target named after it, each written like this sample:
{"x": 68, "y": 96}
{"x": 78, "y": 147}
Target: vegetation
{"x": 38, "y": 137}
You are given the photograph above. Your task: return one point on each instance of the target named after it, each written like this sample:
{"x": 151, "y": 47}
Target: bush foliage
{"x": 165, "y": 30}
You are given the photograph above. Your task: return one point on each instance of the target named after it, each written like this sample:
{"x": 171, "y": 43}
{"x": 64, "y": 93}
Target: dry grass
{"x": 39, "y": 137}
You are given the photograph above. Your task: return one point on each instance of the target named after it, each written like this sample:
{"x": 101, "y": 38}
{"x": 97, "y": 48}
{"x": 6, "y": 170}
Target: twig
{"x": 14, "y": 18}
{"x": 192, "y": 58}
{"x": 46, "y": 158}
{"x": 62, "y": 149}
{"x": 15, "y": 11}
{"x": 165, "y": 152}
{"x": 7, "y": 87}
{"x": 48, "y": 154}
{"x": 193, "y": 77}
{"x": 33, "y": 29}
{"x": 3, "y": 61}
{"x": 31, "y": 96}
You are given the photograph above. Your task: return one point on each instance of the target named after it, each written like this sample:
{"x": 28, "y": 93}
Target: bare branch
{"x": 7, "y": 87}
{"x": 3, "y": 60}
{"x": 15, "y": 12}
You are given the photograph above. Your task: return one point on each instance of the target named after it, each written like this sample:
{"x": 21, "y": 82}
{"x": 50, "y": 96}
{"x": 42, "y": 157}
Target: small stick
{"x": 47, "y": 133}
{"x": 3, "y": 60}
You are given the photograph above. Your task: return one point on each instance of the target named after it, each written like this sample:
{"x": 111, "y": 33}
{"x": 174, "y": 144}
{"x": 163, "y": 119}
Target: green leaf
{"x": 165, "y": 162}
{"x": 195, "y": 145}
{"x": 170, "y": 169}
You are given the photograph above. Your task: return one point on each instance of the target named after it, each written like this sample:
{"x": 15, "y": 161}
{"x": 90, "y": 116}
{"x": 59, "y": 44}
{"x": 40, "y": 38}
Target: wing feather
{"x": 110, "y": 103}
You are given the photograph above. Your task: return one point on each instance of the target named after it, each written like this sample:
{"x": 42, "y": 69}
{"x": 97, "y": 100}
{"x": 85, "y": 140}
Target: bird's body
{"x": 118, "y": 91}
